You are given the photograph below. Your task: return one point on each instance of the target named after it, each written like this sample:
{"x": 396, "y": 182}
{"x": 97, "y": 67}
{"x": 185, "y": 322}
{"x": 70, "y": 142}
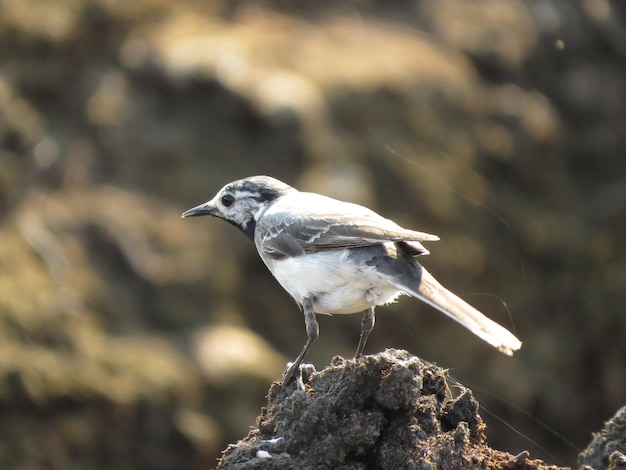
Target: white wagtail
{"x": 334, "y": 257}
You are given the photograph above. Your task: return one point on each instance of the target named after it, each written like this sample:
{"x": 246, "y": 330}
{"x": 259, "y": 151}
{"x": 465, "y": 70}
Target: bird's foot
{"x": 297, "y": 372}
{"x": 293, "y": 372}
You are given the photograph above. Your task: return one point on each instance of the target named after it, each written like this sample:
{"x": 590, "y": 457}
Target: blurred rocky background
{"x": 132, "y": 339}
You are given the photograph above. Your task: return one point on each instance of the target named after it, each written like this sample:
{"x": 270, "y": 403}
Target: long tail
{"x": 433, "y": 293}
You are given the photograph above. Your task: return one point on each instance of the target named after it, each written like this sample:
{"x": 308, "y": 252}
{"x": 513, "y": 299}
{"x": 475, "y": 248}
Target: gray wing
{"x": 288, "y": 235}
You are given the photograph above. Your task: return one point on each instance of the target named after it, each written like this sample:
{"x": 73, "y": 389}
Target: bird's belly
{"x": 349, "y": 299}
{"x": 336, "y": 284}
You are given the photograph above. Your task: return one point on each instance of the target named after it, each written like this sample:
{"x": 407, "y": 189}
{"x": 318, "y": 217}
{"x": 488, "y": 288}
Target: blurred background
{"x": 132, "y": 339}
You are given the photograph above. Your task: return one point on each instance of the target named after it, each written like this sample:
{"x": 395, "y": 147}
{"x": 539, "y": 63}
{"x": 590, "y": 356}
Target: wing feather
{"x": 282, "y": 232}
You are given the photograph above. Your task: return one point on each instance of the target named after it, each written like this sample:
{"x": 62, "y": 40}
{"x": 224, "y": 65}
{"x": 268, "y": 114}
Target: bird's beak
{"x": 206, "y": 208}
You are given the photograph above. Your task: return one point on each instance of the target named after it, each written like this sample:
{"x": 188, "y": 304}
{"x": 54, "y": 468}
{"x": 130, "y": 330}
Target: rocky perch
{"x": 387, "y": 411}
{"x": 608, "y": 447}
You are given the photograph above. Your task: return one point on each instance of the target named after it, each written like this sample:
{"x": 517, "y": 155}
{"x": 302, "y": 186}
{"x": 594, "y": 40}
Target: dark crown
{"x": 261, "y": 188}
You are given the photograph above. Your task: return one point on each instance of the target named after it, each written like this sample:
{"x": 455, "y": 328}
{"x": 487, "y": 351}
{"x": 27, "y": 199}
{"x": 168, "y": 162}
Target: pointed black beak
{"x": 203, "y": 209}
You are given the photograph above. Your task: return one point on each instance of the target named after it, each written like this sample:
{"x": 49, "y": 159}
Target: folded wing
{"x": 288, "y": 235}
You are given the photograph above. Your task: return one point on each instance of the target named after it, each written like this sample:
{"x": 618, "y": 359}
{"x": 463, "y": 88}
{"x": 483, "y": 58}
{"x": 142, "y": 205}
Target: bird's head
{"x": 242, "y": 202}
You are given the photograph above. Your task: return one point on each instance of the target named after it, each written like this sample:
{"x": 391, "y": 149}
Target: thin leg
{"x": 367, "y": 325}
{"x": 312, "y": 333}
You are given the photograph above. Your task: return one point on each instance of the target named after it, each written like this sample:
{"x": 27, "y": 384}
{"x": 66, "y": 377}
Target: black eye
{"x": 227, "y": 200}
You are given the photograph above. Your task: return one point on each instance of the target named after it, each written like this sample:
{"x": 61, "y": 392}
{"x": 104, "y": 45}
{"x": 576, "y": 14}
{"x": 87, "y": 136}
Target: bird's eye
{"x": 227, "y": 200}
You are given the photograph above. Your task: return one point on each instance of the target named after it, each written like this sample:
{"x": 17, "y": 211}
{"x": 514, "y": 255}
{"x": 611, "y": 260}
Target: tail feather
{"x": 429, "y": 290}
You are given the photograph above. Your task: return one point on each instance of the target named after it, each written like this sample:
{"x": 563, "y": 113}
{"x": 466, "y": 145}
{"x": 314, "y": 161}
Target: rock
{"x": 608, "y": 447}
{"x": 390, "y": 410}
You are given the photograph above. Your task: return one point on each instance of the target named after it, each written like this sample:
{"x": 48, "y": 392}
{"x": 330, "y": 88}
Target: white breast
{"x": 337, "y": 284}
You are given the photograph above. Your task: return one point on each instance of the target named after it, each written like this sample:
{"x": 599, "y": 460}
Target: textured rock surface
{"x": 387, "y": 411}
{"x": 608, "y": 447}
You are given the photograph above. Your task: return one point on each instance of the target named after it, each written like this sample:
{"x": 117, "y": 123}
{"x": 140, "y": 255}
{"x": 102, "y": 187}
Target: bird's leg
{"x": 312, "y": 332}
{"x": 367, "y": 325}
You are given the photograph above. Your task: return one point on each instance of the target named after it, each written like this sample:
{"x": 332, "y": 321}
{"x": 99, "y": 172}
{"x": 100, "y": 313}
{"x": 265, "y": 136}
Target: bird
{"x": 336, "y": 257}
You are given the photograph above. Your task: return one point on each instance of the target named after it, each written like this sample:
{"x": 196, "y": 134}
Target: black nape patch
{"x": 267, "y": 195}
